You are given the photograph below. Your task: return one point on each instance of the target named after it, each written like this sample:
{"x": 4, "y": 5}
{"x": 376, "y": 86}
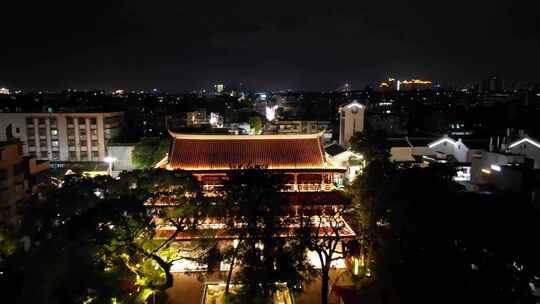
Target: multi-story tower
{"x": 351, "y": 120}
{"x": 62, "y": 136}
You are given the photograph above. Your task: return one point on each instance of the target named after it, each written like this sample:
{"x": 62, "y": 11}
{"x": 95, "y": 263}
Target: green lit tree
{"x": 256, "y": 124}
{"x": 149, "y": 151}
{"x": 103, "y": 231}
{"x": 371, "y": 144}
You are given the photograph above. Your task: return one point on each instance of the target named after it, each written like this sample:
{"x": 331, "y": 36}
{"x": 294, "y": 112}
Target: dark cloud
{"x": 179, "y": 45}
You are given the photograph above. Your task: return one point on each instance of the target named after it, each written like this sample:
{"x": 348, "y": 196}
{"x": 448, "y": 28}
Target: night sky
{"x": 267, "y": 45}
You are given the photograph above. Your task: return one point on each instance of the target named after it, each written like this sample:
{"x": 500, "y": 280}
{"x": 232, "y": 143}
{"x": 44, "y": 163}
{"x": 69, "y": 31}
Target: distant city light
{"x": 4, "y": 91}
{"x": 496, "y": 168}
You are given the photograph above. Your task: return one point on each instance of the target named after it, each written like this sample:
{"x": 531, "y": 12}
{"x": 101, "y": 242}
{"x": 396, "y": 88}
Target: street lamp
{"x": 110, "y": 160}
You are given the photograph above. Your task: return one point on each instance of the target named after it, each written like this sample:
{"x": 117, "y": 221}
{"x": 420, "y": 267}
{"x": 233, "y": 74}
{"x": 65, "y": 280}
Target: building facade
{"x": 300, "y": 127}
{"x": 18, "y": 175}
{"x": 62, "y": 136}
{"x": 351, "y": 120}
{"x": 11, "y": 180}
{"x": 527, "y": 147}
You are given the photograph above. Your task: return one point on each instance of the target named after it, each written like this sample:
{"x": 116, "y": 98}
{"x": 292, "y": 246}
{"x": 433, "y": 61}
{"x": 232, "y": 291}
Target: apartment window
{"x": 41, "y": 121}
{"x": 84, "y": 155}
{"x": 95, "y": 155}
{"x": 52, "y": 121}
{"x": 55, "y": 155}
{"x": 69, "y": 121}
{"x": 82, "y": 121}
{"x": 72, "y": 155}
{"x": 41, "y": 132}
{"x": 31, "y": 132}
{"x": 29, "y": 121}
{"x": 3, "y": 174}
{"x": 93, "y": 121}
{"x": 31, "y": 143}
{"x": 32, "y": 153}
{"x": 93, "y": 132}
{"x": 71, "y": 142}
{"x": 54, "y": 143}
{"x": 82, "y": 132}
{"x": 44, "y": 154}
{"x": 82, "y": 137}
{"x": 95, "y": 143}
{"x": 71, "y": 132}
{"x": 43, "y": 144}
{"x": 54, "y": 132}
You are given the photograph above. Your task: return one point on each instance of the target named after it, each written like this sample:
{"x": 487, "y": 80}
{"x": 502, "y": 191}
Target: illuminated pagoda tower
{"x": 311, "y": 178}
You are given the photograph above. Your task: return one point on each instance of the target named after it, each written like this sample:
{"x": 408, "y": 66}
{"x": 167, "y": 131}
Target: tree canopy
{"x": 95, "y": 240}
{"x": 149, "y": 151}
{"x": 421, "y": 235}
{"x": 258, "y": 217}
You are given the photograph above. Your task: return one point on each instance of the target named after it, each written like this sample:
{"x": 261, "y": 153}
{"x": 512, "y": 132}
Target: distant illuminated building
{"x": 351, "y": 120}
{"x": 219, "y": 88}
{"x": 4, "y": 91}
{"x": 389, "y": 85}
{"x": 261, "y": 96}
{"x": 118, "y": 92}
{"x": 414, "y": 84}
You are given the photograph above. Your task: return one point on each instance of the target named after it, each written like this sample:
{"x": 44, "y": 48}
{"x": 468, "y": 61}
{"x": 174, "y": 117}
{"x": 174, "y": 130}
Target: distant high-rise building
{"x": 351, "y": 120}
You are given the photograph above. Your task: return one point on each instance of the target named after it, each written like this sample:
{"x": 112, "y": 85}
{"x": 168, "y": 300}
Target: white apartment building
{"x": 62, "y": 136}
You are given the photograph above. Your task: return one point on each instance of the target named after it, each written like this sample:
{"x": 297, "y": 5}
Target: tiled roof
{"x": 223, "y": 152}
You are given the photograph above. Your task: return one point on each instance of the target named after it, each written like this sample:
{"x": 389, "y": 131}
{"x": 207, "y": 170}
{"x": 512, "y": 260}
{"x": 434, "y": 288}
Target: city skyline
{"x": 175, "y": 47}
